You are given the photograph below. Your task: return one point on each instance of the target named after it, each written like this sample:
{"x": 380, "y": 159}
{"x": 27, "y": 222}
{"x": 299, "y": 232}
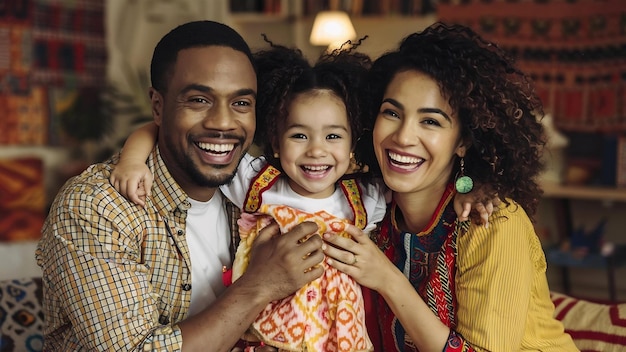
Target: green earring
{"x": 463, "y": 184}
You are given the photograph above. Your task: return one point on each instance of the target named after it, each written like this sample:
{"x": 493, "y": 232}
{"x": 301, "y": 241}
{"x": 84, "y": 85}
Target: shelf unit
{"x": 563, "y": 195}
{"x": 292, "y": 23}
{"x": 602, "y": 193}
{"x": 261, "y": 10}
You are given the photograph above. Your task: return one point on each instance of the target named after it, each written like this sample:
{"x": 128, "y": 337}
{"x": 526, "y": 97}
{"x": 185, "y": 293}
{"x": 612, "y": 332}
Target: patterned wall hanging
{"x": 50, "y": 51}
{"x": 575, "y": 51}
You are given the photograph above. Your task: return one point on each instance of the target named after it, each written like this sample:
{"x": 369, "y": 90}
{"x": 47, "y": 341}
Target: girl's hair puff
{"x": 283, "y": 73}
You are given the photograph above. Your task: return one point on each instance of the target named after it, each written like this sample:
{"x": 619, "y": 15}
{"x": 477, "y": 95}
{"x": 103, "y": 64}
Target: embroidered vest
{"x": 266, "y": 178}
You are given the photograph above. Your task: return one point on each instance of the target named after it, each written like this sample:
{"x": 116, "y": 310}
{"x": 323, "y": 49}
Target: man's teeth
{"x": 316, "y": 168}
{"x": 216, "y": 148}
{"x": 403, "y": 159}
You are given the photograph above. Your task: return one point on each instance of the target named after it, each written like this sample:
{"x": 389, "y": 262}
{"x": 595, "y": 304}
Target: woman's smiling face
{"x": 416, "y": 135}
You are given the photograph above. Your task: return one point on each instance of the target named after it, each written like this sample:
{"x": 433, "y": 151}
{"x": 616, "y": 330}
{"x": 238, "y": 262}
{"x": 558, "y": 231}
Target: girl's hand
{"x": 358, "y": 257}
{"x": 133, "y": 180}
{"x": 476, "y": 204}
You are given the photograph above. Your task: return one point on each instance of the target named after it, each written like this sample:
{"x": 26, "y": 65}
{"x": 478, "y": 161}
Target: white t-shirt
{"x": 281, "y": 193}
{"x": 208, "y": 238}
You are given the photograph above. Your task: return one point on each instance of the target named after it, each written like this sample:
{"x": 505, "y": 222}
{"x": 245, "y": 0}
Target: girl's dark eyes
{"x": 303, "y": 136}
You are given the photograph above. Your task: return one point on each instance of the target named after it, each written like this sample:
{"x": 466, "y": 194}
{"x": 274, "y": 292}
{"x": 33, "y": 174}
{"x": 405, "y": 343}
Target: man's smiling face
{"x": 206, "y": 117}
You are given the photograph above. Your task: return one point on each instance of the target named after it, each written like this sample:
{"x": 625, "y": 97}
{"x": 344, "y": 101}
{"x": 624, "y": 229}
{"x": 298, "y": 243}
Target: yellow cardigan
{"x": 502, "y": 286}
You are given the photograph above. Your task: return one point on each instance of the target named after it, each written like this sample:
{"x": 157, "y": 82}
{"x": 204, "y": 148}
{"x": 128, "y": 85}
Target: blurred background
{"x": 74, "y": 76}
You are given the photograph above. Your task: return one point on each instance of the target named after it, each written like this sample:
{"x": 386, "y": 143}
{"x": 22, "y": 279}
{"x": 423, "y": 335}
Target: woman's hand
{"x": 369, "y": 266}
{"x": 133, "y": 180}
{"x": 358, "y": 257}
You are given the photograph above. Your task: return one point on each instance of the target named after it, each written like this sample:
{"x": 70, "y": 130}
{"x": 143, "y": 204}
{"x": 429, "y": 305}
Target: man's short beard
{"x": 211, "y": 182}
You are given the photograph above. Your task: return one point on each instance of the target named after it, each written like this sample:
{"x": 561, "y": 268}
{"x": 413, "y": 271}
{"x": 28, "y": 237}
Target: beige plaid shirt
{"x": 117, "y": 276}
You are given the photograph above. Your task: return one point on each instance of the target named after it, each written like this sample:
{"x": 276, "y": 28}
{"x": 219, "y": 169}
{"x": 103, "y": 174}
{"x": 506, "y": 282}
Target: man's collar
{"x": 167, "y": 194}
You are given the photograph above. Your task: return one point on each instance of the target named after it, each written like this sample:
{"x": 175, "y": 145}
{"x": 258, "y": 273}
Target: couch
{"x": 594, "y": 327}
{"x": 21, "y": 316}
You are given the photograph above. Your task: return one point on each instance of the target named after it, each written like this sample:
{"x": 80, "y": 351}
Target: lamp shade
{"x": 332, "y": 28}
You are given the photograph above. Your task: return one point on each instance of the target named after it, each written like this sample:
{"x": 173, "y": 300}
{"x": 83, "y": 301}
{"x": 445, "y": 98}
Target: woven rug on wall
{"x": 575, "y": 51}
{"x": 49, "y": 50}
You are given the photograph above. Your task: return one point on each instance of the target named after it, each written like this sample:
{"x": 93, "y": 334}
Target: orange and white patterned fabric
{"x": 325, "y": 315}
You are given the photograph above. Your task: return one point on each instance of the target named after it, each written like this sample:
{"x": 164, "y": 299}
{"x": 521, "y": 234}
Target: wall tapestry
{"x": 49, "y": 51}
{"x": 575, "y": 51}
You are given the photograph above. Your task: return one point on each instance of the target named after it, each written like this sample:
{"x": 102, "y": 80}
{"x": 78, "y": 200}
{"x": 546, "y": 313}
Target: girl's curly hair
{"x": 496, "y": 104}
{"x": 283, "y": 73}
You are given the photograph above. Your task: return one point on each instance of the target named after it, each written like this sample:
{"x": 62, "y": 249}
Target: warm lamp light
{"x": 332, "y": 28}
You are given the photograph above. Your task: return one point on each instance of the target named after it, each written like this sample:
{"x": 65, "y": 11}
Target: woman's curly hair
{"x": 496, "y": 103}
{"x": 283, "y": 73}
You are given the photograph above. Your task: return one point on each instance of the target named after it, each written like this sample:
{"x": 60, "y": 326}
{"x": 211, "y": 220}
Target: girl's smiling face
{"x": 417, "y": 135}
{"x": 314, "y": 143}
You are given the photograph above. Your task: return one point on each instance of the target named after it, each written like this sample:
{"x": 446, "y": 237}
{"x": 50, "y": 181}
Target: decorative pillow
{"x": 21, "y": 316}
{"x": 595, "y": 327}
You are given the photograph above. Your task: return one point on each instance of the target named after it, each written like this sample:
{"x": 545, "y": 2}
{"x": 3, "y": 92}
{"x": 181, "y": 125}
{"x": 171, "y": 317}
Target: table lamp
{"x": 332, "y": 29}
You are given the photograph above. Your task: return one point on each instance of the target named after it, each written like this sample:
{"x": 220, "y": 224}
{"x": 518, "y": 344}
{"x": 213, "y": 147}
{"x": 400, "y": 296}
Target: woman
{"x": 451, "y": 105}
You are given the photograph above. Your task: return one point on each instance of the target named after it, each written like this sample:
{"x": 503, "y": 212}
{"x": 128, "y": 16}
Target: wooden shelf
{"x": 552, "y": 190}
{"x": 563, "y": 195}
{"x": 244, "y": 17}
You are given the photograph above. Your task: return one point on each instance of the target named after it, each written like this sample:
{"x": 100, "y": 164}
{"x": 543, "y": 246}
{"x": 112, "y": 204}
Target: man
{"x": 122, "y": 277}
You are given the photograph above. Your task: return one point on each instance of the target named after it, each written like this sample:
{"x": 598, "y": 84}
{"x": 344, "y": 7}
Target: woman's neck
{"x": 417, "y": 208}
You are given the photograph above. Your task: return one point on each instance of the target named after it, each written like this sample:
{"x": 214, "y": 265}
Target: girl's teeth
{"x": 315, "y": 168}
